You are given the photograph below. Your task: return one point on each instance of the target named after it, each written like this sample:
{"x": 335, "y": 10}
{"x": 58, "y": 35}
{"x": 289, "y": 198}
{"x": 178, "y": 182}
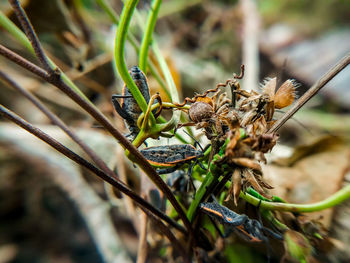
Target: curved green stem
{"x": 254, "y": 193}
{"x": 329, "y": 202}
{"x": 153, "y": 130}
{"x": 147, "y": 36}
{"x": 114, "y": 17}
{"x": 133, "y": 41}
{"x": 124, "y": 24}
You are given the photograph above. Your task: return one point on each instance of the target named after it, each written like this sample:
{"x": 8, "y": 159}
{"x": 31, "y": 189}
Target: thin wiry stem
{"x": 124, "y": 23}
{"x": 139, "y": 158}
{"x": 147, "y": 36}
{"x": 30, "y": 33}
{"x": 18, "y": 34}
{"x": 81, "y": 161}
{"x": 312, "y": 91}
{"x": 57, "y": 121}
{"x": 7, "y": 53}
{"x": 57, "y": 81}
{"x": 133, "y": 41}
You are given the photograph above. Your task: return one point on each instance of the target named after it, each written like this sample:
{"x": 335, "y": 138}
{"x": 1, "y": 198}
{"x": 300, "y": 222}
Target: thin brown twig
{"x": 311, "y": 92}
{"x": 9, "y": 54}
{"x": 219, "y": 85}
{"x": 32, "y": 37}
{"x": 143, "y": 204}
{"x": 57, "y": 121}
{"x": 139, "y": 158}
{"x": 194, "y": 99}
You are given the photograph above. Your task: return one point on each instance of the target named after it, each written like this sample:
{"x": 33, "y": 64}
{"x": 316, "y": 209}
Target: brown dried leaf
{"x": 250, "y": 178}
{"x": 312, "y": 176}
{"x": 247, "y": 163}
{"x": 232, "y": 144}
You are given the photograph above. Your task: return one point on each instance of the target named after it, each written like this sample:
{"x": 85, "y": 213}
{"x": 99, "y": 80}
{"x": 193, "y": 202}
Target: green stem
{"x": 147, "y": 36}
{"x": 114, "y": 17}
{"x": 10, "y": 27}
{"x": 254, "y": 193}
{"x": 133, "y": 41}
{"x": 159, "y": 79}
{"x": 171, "y": 85}
{"x": 269, "y": 216}
{"x": 109, "y": 11}
{"x": 152, "y": 67}
{"x": 211, "y": 179}
{"x": 208, "y": 180}
{"x": 124, "y": 24}
{"x": 329, "y": 202}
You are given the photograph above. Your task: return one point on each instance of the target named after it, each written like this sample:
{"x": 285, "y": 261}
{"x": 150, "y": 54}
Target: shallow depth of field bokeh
{"x": 52, "y": 210}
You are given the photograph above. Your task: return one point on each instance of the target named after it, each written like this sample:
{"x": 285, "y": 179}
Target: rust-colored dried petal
{"x": 285, "y": 95}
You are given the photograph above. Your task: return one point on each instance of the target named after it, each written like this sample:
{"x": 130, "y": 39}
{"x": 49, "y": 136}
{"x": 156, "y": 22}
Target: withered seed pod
{"x": 200, "y": 111}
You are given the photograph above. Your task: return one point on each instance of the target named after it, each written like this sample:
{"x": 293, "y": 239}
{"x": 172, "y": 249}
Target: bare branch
{"x": 81, "y": 161}
{"x": 97, "y": 115}
{"x": 7, "y": 53}
{"x": 30, "y": 33}
{"x": 57, "y": 121}
{"x": 311, "y": 92}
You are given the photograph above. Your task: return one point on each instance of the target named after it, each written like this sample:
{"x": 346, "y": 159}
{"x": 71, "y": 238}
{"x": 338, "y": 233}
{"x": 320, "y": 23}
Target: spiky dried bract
{"x": 269, "y": 87}
{"x": 222, "y": 118}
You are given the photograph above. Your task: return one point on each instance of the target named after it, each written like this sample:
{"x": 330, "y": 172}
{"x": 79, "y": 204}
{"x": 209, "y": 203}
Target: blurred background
{"x": 53, "y": 211}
